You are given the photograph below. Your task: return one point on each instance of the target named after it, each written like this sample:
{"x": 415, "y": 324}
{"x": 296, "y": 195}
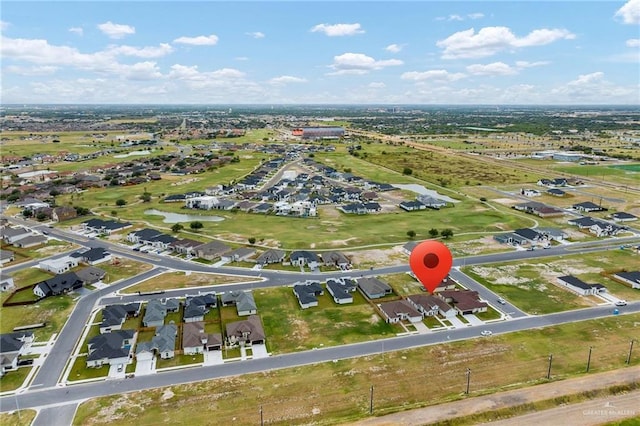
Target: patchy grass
{"x": 290, "y": 328}
{"x": 30, "y": 276}
{"x": 52, "y": 310}
{"x": 180, "y": 360}
{"x": 173, "y": 280}
{"x": 404, "y": 284}
{"x": 12, "y": 380}
{"x": 124, "y": 268}
{"x": 18, "y": 418}
{"x": 80, "y": 371}
{"x": 338, "y": 392}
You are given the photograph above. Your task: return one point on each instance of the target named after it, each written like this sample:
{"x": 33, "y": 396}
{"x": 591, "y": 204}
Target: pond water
{"x": 179, "y": 217}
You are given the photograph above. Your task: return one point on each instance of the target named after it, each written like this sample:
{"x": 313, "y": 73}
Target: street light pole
{"x": 549, "y": 369}
{"x": 371, "y": 400}
{"x": 261, "y": 418}
{"x": 589, "y": 359}
{"x": 630, "y": 349}
{"x": 468, "y": 380}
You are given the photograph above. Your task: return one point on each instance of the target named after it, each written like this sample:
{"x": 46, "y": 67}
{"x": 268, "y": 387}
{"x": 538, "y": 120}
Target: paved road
{"x": 62, "y": 395}
{"x": 58, "y": 415}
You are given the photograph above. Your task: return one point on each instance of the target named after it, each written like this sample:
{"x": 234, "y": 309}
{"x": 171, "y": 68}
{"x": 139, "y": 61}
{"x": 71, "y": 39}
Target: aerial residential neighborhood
{"x": 305, "y": 213}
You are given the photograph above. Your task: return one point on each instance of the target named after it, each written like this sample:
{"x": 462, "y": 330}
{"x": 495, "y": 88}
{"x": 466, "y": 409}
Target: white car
{"x": 501, "y": 301}
{"x": 486, "y": 333}
{"x": 621, "y": 303}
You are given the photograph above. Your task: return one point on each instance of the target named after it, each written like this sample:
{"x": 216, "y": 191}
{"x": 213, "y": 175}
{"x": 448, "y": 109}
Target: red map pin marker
{"x": 430, "y": 261}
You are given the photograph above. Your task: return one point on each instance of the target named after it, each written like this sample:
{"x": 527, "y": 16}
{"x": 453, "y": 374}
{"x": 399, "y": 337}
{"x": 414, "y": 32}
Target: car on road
{"x": 621, "y": 303}
{"x": 486, "y": 333}
{"x": 501, "y": 301}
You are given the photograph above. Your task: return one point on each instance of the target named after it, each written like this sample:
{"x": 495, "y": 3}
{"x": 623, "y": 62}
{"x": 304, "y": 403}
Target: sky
{"x": 327, "y": 52}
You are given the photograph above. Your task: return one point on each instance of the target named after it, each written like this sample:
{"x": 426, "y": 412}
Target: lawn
{"x": 290, "y": 328}
{"x": 52, "y": 310}
{"x": 14, "y": 379}
{"x": 80, "y": 371}
{"x": 124, "y": 268}
{"x": 29, "y": 276}
{"x": 531, "y": 285}
{"x": 179, "y": 360}
{"x": 174, "y": 280}
{"x": 18, "y": 418}
{"x": 338, "y": 392}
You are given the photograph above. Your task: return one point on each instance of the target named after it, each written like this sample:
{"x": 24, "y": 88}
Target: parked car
{"x": 120, "y": 368}
{"x": 486, "y": 333}
{"x": 621, "y": 303}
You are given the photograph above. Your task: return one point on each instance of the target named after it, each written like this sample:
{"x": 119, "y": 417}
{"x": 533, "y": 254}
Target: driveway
{"x": 456, "y": 323}
{"x": 213, "y": 358}
{"x": 473, "y": 320}
{"x": 421, "y": 327}
{"x": 145, "y": 367}
{"x": 114, "y": 373}
{"x": 259, "y": 351}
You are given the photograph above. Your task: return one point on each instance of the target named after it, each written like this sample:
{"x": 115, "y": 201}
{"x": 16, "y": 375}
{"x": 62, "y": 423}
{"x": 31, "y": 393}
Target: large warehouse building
{"x": 319, "y": 132}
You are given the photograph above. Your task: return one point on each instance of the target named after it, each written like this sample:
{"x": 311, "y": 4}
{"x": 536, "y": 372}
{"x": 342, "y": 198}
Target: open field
{"x": 52, "y": 310}
{"x": 15, "y": 418}
{"x": 172, "y": 280}
{"x": 337, "y": 392}
{"x": 532, "y": 285}
{"x": 290, "y": 328}
{"x": 124, "y": 268}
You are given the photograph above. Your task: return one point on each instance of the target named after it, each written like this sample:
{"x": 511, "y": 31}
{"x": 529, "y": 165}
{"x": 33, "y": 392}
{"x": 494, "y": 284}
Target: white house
{"x": 59, "y": 265}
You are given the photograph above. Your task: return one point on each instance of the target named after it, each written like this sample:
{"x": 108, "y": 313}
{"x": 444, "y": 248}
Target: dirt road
{"x": 597, "y": 411}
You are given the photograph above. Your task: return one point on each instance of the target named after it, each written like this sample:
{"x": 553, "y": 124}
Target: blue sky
{"x": 330, "y": 52}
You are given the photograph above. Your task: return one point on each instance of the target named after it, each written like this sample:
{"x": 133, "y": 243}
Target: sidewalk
{"x": 480, "y": 404}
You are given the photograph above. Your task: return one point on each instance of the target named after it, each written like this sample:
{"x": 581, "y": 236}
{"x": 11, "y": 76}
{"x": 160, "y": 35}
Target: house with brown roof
{"x": 430, "y": 305}
{"x": 60, "y": 214}
{"x": 212, "y": 250}
{"x": 245, "y": 333}
{"x": 196, "y": 341}
{"x": 464, "y": 301}
{"x": 399, "y": 310}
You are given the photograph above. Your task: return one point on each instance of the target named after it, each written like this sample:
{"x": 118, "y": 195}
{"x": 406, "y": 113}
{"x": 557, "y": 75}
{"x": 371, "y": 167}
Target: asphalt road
{"x": 77, "y": 393}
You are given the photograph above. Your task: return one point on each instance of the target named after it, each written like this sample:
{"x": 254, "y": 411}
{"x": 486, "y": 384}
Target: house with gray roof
{"x": 271, "y": 256}
{"x": 163, "y": 343}
{"x": 576, "y": 285}
{"x": 631, "y": 278}
{"x": 30, "y": 241}
{"x": 113, "y": 316}
{"x": 241, "y": 254}
{"x": 307, "y": 293}
{"x": 12, "y": 346}
{"x": 91, "y": 274}
{"x": 341, "y": 290}
{"x": 243, "y": 301}
{"x": 336, "y": 259}
{"x": 58, "y": 284}
{"x": 157, "y": 310}
{"x": 103, "y": 227}
{"x": 111, "y": 348}
{"x": 373, "y": 288}
{"x": 429, "y": 305}
{"x": 212, "y": 250}
{"x": 11, "y": 235}
{"x": 196, "y": 307}
{"x": 304, "y": 257}
{"x": 6, "y": 282}
{"x": 6, "y": 256}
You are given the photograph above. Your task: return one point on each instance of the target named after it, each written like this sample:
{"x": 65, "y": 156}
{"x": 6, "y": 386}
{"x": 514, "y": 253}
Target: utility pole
{"x": 589, "y": 359}
{"x": 468, "y": 380}
{"x": 630, "y": 349}
{"x": 371, "y": 400}
{"x": 549, "y": 369}
{"x": 261, "y": 418}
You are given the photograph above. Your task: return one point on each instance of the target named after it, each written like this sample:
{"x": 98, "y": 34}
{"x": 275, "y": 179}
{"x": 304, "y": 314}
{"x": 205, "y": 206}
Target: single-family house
{"x": 195, "y": 340}
{"x": 157, "y": 309}
{"x": 336, "y": 259}
{"x": 245, "y": 333}
{"x": 162, "y": 343}
{"x": 407, "y": 248}
{"x": 6, "y": 256}
{"x": 554, "y": 234}
{"x": 58, "y": 284}
{"x": 241, "y": 254}
{"x": 340, "y": 289}
{"x": 6, "y": 282}
{"x": 185, "y": 246}
{"x": 373, "y": 288}
{"x": 212, "y": 250}
{"x": 114, "y": 316}
{"x": 62, "y": 213}
{"x": 587, "y": 207}
{"x": 243, "y": 300}
{"x": 464, "y": 301}
{"x": 91, "y": 274}
{"x": 530, "y": 192}
{"x": 307, "y": 294}
{"x": 399, "y": 310}
{"x": 530, "y": 235}
{"x": 556, "y": 192}
{"x": 623, "y": 217}
{"x": 552, "y": 183}
{"x": 431, "y": 202}
{"x": 103, "y": 227}
{"x": 304, "y": 257}
{"x": 93, "y": 256}
{"x": 196, "y": 307}
{"x": 12, "y": 346}
{"x": 11, "y": 235}
{"x": 576, "y": 285}
{"x": 538, "y": 209}
{"x": 412, "y": 205}
{"x": 430, "y": 305}
{"x": 271, "y": 256}
{"x": 631, "y": 278}
{"x": 30, "y": 241}
{"x": 113, "y": 348}
{"x": 584, "y": 222}
{"x": 143, "y": 236}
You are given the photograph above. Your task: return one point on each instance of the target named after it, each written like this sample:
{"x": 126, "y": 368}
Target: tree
{"x": 177, "y": 227}
{"x": 146, "y": 197}
{"x": 411, "y": 234}
{"x": 27, "y": 213}
{"x": 252, "y": 240}
{"x": 433, "y": 232}
{"x": 407, "y": 171}
{"x": 41, "y": 216}
{"x": 196, "y": 225}
{"x": 120, "y": 202}
{"x": 447, "y": 233}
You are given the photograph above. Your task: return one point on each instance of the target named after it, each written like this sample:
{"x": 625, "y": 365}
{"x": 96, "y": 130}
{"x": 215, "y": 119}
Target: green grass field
{"x": 52, "y": 310}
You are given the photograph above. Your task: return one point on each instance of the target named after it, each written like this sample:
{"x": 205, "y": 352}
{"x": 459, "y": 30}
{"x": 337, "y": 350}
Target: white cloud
{"x": 630, "y": 12}
{"x": 142, "y": 52}
{"x": 527, "y": 64}
{"x": 284, "y": 79}
{"x": 436, "y": 75}
{"x": 495, "y": 68}
{"x": 76, "y": 30}
{"x": 210, "y": 40}
{"x": 116, "y": 30}
{"x": 394, "y": 48}
{"x": 241, "y": 58}
{"x": 140, "y": 71}
{"x": 633, "y": 42}
{"x": 377, "y": 85}
{"x": 4, "y": 25}
{"x": 358, "y": 63}
{"x": 490, "y": 40}
{"x": 255, "y": 34}
{"x": 337, "y": 30}
{"x": 37, "y": 70}
{"x": 476, "y": 15}
{"x": 455, "y": 18}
